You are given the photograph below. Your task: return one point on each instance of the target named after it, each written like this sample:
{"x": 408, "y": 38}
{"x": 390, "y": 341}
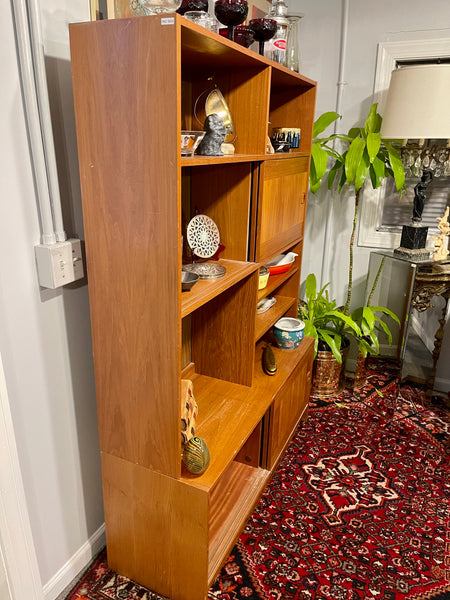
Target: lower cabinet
{"x": 172, "y": 535}
{"x": 289, "y": 407}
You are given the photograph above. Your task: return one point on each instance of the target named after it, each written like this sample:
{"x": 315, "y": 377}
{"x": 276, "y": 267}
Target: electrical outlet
{"x": 60, "y": 263}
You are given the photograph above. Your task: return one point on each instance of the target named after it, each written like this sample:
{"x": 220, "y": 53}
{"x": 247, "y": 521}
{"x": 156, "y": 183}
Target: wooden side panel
{"x": 290, "y": 404}
{"x": 128, "y": 155}
{"x": 282, "y": 205}
{"x": 156, "y": 530}
{"x": 223, "y": 334}
{"x": 249, "y": 106}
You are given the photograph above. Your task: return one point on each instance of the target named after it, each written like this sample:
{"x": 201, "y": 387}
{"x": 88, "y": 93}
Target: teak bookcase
{"x": 136, "y": 82}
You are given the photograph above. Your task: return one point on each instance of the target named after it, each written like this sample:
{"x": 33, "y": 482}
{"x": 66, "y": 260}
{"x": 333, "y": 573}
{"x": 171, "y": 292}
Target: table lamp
{"x": 417, "y": 107}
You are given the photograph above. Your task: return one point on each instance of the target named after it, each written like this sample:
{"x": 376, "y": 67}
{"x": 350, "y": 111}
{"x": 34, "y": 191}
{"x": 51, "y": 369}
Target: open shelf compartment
{"x": 207, "y": 289}
{"x": 228, "y": 414}
{"x": 230, "y": 504}
{"x": 264, "y": 321}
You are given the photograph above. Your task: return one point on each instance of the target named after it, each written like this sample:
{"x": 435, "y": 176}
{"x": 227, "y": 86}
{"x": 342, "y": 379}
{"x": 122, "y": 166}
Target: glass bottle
{"x": 292, "y": 52}
{"x": 276, "y": 47}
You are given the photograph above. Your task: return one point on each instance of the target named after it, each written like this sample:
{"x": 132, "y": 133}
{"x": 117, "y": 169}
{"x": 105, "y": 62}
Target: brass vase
{"x": 360, "y": 372}
{"x": 328, "y": 377}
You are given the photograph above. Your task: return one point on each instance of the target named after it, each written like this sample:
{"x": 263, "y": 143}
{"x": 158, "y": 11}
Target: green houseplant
{"x": 323, "y": 320}
{"x": 366, "y": 157}
{"x": 331, "y": 327}
{"x": 328, "y": 324}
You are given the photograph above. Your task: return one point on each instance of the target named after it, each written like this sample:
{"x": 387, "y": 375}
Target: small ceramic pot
{"x": 288, "y": 333}
{"x": 263, "y": 278}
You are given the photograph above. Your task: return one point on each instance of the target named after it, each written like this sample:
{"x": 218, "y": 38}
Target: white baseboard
{"x": 75, "y": 565}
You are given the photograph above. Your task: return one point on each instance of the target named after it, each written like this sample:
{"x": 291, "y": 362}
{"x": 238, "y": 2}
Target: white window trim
{"x": 389, "y": 53}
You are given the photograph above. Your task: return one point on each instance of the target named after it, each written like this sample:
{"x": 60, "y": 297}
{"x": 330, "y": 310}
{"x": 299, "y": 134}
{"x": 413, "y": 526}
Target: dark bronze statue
{"x": 215, "y": 135}
{"x": 420, "y": 195}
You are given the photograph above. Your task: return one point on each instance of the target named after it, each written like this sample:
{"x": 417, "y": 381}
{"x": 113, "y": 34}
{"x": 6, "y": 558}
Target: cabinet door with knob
{"x": 283, "y": 187}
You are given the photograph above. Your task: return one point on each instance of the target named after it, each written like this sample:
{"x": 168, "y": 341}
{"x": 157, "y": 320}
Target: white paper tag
{"x": 167, "y": 21}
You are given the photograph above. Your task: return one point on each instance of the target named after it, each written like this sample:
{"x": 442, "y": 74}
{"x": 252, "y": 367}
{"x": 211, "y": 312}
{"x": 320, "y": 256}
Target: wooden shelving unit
{"x": 136, "y": 82}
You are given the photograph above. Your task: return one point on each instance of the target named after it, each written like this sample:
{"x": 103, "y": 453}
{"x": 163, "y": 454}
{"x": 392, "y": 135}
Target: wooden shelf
{"x": 231, "y": 503}
{"x": 206, "y": 48}
{"x": 207, "y": 289}
{"x": 264, "y": 321}
{"x": 275, "y": 281}
{"x": 227, "y": 415}
{"x": 199, "y": 161}
{"x": 287, "y": 361}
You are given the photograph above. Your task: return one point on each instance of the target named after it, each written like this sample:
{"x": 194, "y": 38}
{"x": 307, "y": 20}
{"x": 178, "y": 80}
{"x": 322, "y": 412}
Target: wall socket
{"x": 59, "y": 263}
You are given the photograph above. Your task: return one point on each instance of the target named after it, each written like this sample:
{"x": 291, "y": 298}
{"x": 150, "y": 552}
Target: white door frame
{"x": 17, "y": 542}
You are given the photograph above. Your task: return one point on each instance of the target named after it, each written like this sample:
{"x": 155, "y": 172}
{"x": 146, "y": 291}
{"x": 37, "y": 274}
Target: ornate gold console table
{"x": 402, "y": 285}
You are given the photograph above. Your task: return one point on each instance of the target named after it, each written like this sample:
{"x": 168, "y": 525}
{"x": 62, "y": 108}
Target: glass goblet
{"x": 231, "y": 13}
{"x": 264, "y": 30}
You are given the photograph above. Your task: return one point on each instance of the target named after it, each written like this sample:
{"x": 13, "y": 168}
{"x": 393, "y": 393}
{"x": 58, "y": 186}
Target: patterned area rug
{"x": 358, "y": 508}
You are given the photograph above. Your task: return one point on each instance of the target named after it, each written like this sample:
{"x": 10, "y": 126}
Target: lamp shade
{"x": 418, "y": 103}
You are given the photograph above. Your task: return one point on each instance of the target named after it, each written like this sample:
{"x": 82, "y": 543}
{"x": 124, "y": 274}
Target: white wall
{"x": 320, "y": 38}
{"x": 45, "y": 343}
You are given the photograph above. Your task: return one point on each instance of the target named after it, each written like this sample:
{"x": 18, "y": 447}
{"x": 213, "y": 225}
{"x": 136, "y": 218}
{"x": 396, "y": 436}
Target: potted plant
{"x": 331, "y": 328}
{"x": 326, "y": 324}
{"x": 365, "y": 158}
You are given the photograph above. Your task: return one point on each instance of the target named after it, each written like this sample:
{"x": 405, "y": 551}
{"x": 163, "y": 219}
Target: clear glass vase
{"x": 292, "y": 50}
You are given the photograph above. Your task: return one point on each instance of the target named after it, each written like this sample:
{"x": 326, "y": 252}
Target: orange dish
{"x": 281, "y": 263}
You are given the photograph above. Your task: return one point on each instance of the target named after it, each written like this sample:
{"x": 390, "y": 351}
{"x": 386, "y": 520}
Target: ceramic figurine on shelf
{"x": 269, "y": 363}
{"x": 214, "y": 137}
{"x": 440, "y": 246}
{"x": 196, "y": 456}
{"x": 189, "y": 411}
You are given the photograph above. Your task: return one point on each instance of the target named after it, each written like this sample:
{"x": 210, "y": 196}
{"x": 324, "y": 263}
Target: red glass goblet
{"x": 231, "y": 13}
{"x": 264, "y": 29}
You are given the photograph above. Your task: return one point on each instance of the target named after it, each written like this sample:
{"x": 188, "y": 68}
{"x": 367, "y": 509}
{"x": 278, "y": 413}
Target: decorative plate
{"x": 206, "y": 270}
{"x": 203, "y": 236}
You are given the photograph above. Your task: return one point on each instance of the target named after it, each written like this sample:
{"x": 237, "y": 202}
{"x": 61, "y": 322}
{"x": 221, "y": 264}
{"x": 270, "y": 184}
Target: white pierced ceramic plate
{"x": 203, "y": 236}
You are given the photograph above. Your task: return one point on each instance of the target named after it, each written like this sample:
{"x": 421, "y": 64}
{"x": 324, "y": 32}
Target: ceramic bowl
{"x": 288, "y": 333}
{"x": 281, "y": 263}
{"x": 188, "y": 280}
{"x": 189, "y": 141}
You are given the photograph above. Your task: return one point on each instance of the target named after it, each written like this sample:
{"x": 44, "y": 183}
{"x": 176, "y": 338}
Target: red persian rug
{"x": 358, "y": 508}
